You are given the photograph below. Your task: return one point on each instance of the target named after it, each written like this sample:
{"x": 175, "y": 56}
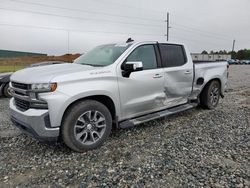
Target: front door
{"x": 142, "y": 91}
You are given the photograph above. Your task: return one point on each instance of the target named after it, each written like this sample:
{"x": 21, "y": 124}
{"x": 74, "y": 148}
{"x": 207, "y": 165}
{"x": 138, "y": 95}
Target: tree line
{"x": 241, "y": 54}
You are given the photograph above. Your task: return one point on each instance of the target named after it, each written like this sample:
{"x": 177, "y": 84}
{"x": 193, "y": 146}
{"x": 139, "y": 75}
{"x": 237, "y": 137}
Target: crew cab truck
{"x": 112, "y": 86}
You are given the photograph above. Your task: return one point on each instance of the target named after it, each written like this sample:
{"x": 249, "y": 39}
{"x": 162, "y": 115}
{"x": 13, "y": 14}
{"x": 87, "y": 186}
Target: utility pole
{"x": 232, "y": 53}
{"x": 68, "y": 40}
{"x": 233, "y": 45}
{"x": 69, "y": 60}
{"x": 168, "y": 27}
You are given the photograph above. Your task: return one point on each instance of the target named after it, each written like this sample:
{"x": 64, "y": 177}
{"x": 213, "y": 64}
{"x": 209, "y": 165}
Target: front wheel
{"x": 86, "y": 125}
{"x": 210, "y": 95}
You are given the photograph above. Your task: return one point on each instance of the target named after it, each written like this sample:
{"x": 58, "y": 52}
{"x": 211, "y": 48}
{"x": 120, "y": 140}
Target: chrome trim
{"x": 40, "y": 90}
{"x": 25, "y": 98}
{"x": 24, "y": 95}
{"x": 29, "y": 90}
{"x": 19, "y": 90}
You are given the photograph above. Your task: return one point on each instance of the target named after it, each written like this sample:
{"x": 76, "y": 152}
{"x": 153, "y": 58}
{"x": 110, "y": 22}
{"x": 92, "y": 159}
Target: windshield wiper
{"x": 93, "y": 65}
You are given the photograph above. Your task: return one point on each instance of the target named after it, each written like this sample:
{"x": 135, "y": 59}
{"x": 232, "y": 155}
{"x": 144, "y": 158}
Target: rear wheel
{"x": 210, "y": 95}
{"x": 6, "y": 90}
{"x": 86, "y": 125}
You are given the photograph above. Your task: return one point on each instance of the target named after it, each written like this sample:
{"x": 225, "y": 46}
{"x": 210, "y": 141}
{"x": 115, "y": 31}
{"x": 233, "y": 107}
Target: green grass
{"x": 10, "y": 68}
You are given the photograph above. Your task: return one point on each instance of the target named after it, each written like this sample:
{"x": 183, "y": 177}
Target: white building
{"x": 210, "y": 57}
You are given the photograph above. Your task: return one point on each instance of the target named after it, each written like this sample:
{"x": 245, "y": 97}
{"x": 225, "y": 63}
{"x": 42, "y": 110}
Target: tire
{"x": 6, "y": 91}
{"x": 210, "y": 95}
{"x": 86, "y": 125}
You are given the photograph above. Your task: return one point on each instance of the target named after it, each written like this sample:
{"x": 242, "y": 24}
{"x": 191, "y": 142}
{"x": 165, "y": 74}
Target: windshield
{"x": 102, "y": 55}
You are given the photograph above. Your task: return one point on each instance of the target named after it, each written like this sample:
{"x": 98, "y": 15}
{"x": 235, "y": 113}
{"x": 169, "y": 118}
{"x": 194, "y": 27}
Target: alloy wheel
{"x": 90, "y": 127}
{"x": 214, "y": 95}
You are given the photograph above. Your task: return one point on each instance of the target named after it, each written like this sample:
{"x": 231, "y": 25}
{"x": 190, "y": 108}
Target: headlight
{"x": 44, "y": 87}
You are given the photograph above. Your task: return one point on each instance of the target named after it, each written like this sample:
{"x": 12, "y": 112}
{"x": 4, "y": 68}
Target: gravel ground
{"x": 197, "y": 148}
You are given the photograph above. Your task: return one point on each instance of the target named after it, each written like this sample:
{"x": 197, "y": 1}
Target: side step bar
{"x": 136, "y": 121}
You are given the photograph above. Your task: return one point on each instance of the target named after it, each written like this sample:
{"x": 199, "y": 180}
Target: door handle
{"x": 157, "y": 76}
{"x": 187, "y": 72}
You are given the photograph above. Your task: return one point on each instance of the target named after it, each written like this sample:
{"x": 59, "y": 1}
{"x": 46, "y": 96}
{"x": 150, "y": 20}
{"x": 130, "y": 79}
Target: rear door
{"x": 178, "y": 74}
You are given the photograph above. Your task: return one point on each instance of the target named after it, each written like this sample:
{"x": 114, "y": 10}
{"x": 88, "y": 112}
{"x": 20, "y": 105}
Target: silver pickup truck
{"x": 112, "y": 86}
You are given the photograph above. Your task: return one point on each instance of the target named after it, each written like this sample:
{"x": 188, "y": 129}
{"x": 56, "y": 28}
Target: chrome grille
{"x": 20, "y": 85}
{"x": 22, "y": 99}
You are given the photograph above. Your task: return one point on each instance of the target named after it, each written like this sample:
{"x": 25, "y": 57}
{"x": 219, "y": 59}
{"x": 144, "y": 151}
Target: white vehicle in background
{"x": 237, "y": 61}
{"x": 245, "y": 62}
{"x": 112, "y": 86}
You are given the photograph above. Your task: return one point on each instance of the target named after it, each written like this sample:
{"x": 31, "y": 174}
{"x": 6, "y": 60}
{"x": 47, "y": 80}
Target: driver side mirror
{"x": 132, "y": 66}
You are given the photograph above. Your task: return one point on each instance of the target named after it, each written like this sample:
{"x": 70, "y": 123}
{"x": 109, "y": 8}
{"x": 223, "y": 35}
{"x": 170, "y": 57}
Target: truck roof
{"x": 164, "y": 42}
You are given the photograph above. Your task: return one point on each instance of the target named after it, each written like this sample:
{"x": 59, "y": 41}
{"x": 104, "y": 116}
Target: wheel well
{"x": 107, "y": 101}
{"x": 217, "y": 79}
{"x": 2, "y": 86}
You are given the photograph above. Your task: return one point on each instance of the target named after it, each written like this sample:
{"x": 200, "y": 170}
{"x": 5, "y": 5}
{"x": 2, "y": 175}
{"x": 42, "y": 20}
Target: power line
{"x": 202, "y": 31}
{"x": 181, "y": 27}
{"x": 108, "y": 14}
{"x": 202, "y": 34}
{"x": 75, "y": 30}
{"x": 196, "y": 41}
{"x": 125, "y": 5}
{"x": 127, "y": 23}
{"x": 80, "y": 18}
{"x": 84, "y": 11}
{"x": 196, "y": 27}
{"x": 199, "y": 31}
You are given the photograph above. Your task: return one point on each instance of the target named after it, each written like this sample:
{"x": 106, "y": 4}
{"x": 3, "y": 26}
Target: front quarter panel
{"x": 69, "y": 90}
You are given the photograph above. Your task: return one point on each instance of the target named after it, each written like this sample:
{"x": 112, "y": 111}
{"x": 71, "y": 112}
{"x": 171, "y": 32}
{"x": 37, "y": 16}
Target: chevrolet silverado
{"x": 116, "y": 85}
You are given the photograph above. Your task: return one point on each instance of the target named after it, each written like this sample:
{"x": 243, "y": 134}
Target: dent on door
{"x": 142, "y": 92}
{"x": 178, "y": 85}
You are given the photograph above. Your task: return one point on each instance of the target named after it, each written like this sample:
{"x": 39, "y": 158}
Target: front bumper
{"x": 34, "y": 122}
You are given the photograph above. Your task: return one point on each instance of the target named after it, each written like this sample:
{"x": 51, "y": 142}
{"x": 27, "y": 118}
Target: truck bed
{"x": 208, "y": 70}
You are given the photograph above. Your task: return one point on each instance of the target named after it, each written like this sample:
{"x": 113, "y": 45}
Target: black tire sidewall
{"x": 5, "y": 90}
{"x": 71, "y": 117}
{"x": 210, "y": 87}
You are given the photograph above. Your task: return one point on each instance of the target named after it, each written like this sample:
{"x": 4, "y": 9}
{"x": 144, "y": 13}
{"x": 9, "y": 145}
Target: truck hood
{"x": 45, "y": 74}
{"x": 5, "y": 74}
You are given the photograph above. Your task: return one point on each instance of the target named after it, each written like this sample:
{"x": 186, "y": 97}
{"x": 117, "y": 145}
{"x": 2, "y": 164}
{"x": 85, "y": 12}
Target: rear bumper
{"x": 34, "y": 122}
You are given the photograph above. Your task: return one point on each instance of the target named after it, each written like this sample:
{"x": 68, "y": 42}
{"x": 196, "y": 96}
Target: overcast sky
{"x": 75, "y": 26}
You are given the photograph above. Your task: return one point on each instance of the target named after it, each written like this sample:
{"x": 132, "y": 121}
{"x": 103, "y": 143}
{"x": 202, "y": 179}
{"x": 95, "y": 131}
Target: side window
{"x": 172, "y": 55}
{"x": 145, "y": 54}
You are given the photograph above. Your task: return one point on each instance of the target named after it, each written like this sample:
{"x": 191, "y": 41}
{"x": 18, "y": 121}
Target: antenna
{"x": 129, "y": 40}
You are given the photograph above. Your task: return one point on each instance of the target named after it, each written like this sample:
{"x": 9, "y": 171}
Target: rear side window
{"x": 172, "y": 55}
